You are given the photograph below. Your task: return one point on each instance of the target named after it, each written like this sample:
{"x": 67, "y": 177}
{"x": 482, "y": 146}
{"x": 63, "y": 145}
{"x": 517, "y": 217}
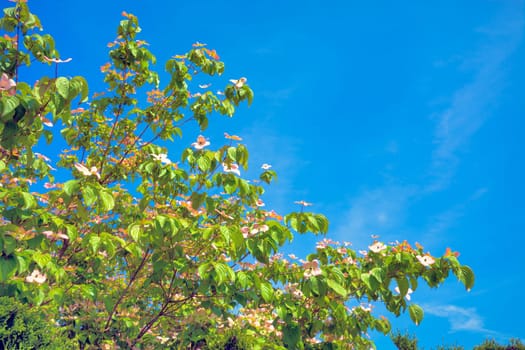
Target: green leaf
{"x": 8, "y": 105}
{"x": 467, "y": 277}
{"x": 107, "y": 200}
{"x": 7, "y": 267}
{"x": 94, "y": 242}
{"x": 402, "y": 283}
{"x": 134, "y": 231}
{"x": 42, "y": 259}
{"x": 71, "y": 187}
{"x": 204, "y": 270}
{"x": 10, "y": 245}
{"x": 416, "y": 313}
{"x": 62, "y": 85}
{"x": 267, "y": 291}
{"x": 89, "y": 195}
{"x": 291, "y": 335}
{"x": 377, "y": 272}
{"x": 223, "y": 272}
{"x": 203, "y": 163}
{"x": 243, "y": 279}
{"x": 88, "y": 291}
{"x": 336, "y": 287}
{"x": 29, "y": 200}
{"x": 232, "y": 153}
{"x": 365, "y": 277}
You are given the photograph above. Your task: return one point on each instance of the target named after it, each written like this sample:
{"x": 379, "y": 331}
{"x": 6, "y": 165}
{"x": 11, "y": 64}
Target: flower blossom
{"x": 163, "y": 158}
{"x": 377, "y": 247}
{"x": 407, "y": 296}
{"x": 7, "y": 84}
{"x": 232, "y": 137}
{"x": 239, "y": 83}
{"x": 53, "y": 236}
{"x": 265, "y": 166}
{"x": 87, "y": 172}
{"x": 312, "y": 268}
{"x": 200, "y": 143}
{"x": 303, "y": 203}
{"x": 259, "y": 203}
{"x": 57, "y": 60}
{"x": 36, "y": 276}
{"x": 425, "y": 260}
{"x": 231, "y": 168}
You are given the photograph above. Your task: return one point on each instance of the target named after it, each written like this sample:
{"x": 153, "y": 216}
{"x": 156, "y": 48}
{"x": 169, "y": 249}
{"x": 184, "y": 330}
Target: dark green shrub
{"x": 24, "y": 328}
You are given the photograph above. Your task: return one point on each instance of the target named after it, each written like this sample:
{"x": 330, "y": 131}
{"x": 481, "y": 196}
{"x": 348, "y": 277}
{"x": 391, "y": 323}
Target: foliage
{"x": 491, "y": 344}
{"x": 23, "y": 328}
{"x": 404, "y": 341}
{"x": 408, "y": 342}
{"x": 125, "y": 248}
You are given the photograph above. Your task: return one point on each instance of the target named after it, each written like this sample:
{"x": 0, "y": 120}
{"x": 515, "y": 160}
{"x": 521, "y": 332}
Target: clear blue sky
{"x": 401, "y": 119}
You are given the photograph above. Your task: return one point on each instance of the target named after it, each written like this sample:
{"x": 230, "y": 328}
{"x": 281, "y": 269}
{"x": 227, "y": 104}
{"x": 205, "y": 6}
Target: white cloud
{"x": 471, "y": 104}
{"x": 460, "y": 318}
{"x": 277, "y": 97}
{"x": 377, "y": 211}
{"x": 282, "y": 152}
{"x": 441, "y": 222}
{"x": 381, "y": 210}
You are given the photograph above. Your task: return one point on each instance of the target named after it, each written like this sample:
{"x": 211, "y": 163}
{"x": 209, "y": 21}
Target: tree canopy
{"x": 123, "y": 244}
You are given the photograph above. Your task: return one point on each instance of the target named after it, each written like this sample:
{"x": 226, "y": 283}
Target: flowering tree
{"x": 127, "y": 248}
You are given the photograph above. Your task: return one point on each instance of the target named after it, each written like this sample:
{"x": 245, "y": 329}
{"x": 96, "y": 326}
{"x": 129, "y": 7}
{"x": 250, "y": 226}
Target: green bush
{"x": 514, "y": 344}
{"x": 24, "y": 328}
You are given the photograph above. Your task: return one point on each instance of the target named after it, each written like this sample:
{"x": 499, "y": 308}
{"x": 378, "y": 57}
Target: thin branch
{"x": 124, "y": 292}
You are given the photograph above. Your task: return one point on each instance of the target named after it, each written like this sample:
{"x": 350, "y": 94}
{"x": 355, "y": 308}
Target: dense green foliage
{"x": 408, "y": 342}
{"x": 23, "y": 328}
{"x": 124, "y": 247}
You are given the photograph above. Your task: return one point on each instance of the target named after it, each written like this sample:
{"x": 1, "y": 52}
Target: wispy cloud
{"x": 461, "y": 319}
{"x": 378, "y": 211}
{"x": 277, "y": 97}
{"x": 282, "y": 152}
{"x": 472, "y": 104}
{"x": 381, "y": 209}
{"x": 441, "y": 222}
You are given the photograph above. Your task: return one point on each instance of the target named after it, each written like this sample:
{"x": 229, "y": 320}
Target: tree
{"x": 127, "y": 248}
{"x": 23, "y": 328}
{"x": 409, "y": 342}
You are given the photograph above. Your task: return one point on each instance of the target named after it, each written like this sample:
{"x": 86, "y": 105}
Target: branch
{"x": 131, "y": 280}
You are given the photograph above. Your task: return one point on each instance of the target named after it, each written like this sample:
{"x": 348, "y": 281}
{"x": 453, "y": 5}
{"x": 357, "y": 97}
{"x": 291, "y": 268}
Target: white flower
{"x": 245, "y": 230}
{"x": 163, "y": 340}
{"x": 265, "y": 166}
{"x": 367, "y": 308}
{"x": 303, "y": 203}
{"x": 407, "y": 296}
{"x": 231, "y": 168}
{"x": 163, "y": 158}
{"x": 7, "y": 84}
{"x": 259, "y": 203}
{"x": 425, "y": 260}
{"x": 204, "y": 86}
{"x": 200, "y": 143}
{"x": 312, "y": 268}
{"x": 239, "y": 83}
{"x": 43, "y": 157}
{"x": 87, "y": 172}
{"x": 54, "y": 235}
{"x": 377, "y": 247}
{"x": 36, "y": 276}
{"x": 57, "y": 60}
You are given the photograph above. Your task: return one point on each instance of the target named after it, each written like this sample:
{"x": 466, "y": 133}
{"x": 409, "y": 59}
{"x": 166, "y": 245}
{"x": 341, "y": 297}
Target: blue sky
{"x": 400, "y": 119}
